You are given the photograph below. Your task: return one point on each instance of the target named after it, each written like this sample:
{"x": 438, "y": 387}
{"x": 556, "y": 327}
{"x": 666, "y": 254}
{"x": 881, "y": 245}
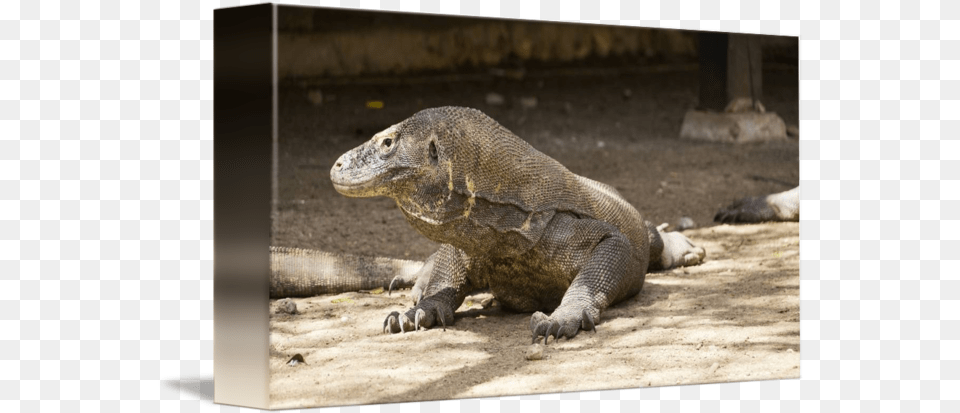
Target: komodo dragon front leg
{"x": 606, "y": 270}
{"x": 445, "y": 288}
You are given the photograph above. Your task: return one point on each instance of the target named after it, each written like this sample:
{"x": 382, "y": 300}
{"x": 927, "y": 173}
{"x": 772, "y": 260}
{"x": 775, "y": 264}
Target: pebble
{"x": 686, "y": 223}
{"x": 534, "y": 352}
{"x": 296, "y": 359}
{"x": 528, "y": 102}
{"x": 494, "y": 99}
{"x": 286, "y": 306}
{"x": 315, "y": 97}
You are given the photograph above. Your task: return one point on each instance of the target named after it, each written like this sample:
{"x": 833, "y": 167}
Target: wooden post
{"x": 712, "y": 51}
{"x": 744, "y": 68}
{"x": 730, "y": 68}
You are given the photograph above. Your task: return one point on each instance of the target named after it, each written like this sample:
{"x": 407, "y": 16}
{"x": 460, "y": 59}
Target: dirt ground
{"x": 733, "y": 318}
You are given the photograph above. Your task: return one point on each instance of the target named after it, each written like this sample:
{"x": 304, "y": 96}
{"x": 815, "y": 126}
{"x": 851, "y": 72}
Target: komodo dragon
{"x": 508, "y": 218}
{"x": 782, "y": 206}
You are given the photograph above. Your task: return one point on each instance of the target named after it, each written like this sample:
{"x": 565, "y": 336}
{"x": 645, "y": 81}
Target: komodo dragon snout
{"x": 508, "y": 218}
{"x": 375, "y": 167}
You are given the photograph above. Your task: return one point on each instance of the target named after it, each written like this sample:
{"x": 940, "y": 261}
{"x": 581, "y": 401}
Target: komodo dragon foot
{"x": 783, "y": 206}
{"x": 679, "y": 251}
{"x": 562, "y": 323}
{"x": 426, "y": 314}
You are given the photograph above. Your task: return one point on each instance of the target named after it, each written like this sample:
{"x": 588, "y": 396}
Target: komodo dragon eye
{"x": 387, "y": 142}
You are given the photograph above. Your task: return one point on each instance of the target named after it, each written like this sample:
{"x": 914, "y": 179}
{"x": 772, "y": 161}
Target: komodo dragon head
{"x": 392, "y": 163}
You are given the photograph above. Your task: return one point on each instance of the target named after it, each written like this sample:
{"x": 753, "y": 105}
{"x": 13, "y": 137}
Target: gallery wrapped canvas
{"x": 417, "y": 207}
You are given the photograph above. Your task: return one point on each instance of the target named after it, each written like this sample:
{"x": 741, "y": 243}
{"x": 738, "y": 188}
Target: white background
{"x": 106, "y": 231}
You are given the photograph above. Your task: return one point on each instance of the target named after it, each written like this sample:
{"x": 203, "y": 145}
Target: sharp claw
{"x": 416, "y": 319}
{"x": 390, "y": 287}
{"x": 402, "y": 321}
{"x": 387, "y": 328}
{"x": 587, "y": 323}
{"x": 440, "y": 317}
{"x": 553, "y": 330}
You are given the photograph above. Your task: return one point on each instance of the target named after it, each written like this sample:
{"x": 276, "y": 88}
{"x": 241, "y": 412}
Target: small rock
{"x": 295, "y": 360}
{"x": 286, "y": 306}
{"x": 344, "y": 319}
{"x": 489, "y": 302}
{"x": 315, "y": 97}
{"x": 534, "y": 352}
{"x": 686, "y": 223}
{"x": 494, "y": 99}
{"x": 793, "y": 131}
{"x": 627, "y": 93}
{"x": 529, "y": 102}
{"x": 699, "y": 345}
{"x": 601, "y": 144}
{"x": 789, "y": 350}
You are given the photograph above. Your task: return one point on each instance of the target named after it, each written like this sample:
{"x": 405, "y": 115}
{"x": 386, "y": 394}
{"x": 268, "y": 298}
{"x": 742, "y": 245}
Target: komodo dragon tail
{"x": 297, "y": 272}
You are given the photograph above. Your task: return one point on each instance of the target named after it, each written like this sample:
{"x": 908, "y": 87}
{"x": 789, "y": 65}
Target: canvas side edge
{"x": 243, "y": 168}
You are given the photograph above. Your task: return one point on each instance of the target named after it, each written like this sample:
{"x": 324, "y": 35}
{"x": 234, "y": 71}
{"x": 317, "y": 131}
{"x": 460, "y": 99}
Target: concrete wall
{"x": 317, "y": 42}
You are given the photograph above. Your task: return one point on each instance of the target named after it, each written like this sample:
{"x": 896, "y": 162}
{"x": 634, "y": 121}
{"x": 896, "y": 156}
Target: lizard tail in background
{"x": 297, "y": 272}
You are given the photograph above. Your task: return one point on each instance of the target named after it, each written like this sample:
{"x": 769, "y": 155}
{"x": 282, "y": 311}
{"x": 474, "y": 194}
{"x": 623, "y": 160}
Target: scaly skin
{"x": 509, "y": 218}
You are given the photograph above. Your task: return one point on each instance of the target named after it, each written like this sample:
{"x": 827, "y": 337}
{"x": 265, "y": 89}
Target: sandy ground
{"x": 735, "y": 317}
